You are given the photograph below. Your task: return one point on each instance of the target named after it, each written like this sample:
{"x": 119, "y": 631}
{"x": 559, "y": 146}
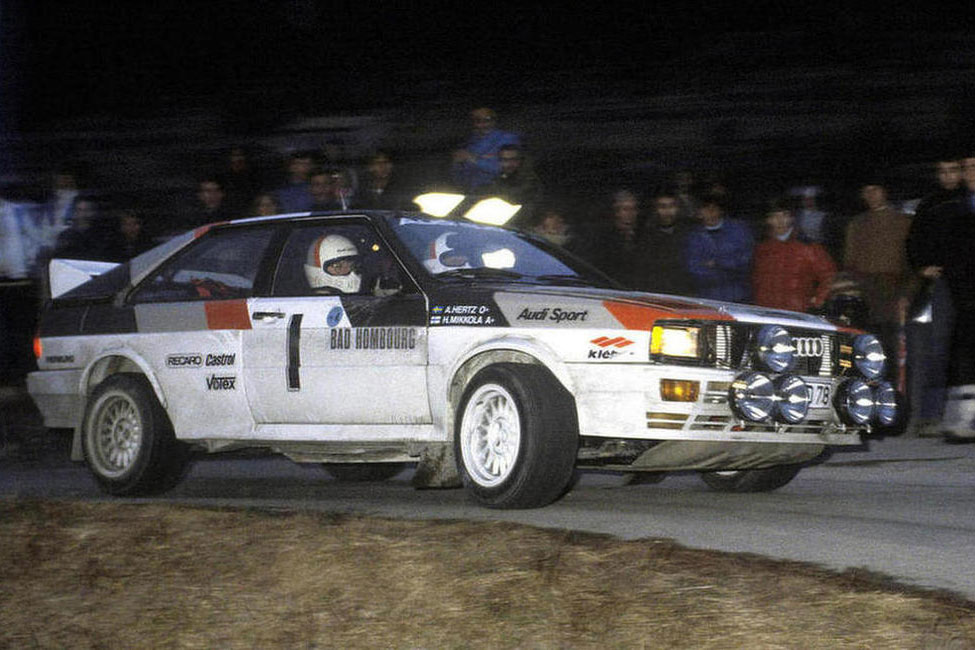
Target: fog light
{"x": 679, "y": 390}
{"x": 854, "y": 401}
{"x": 775, "y": 348}
{"x": 752, "y": 396}
{"x": 868, "y": 356}
{"x": 885, "y": 404}
{"x": 793, "y": 399}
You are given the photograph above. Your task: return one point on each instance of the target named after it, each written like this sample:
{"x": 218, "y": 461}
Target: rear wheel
{"x": 751, "y": 480}
{"x": 128, "y": 440}
{"x": 516, "y": 437}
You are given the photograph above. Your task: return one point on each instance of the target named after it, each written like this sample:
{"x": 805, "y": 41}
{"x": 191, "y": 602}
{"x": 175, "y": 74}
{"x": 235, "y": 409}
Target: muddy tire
{"x": 128, "y": 440}
{"x": 515, "y": 437}
{"x": 364, "y": 472}
{"x": 751, "y": 480}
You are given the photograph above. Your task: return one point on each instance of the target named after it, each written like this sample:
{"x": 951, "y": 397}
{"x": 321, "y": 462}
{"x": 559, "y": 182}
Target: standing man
{"x": 614, "y": 245}
{"x": 959, "y": 271}
{"x": 477, "y": 163}
{"x": 929, "y": 331}
{"x": 790, "y": 272}
{"x": 381, "y": 189}
{"x": 295, "y": 195}
{"x": 516, "y": 183}
{"x": 663, "y": 245}
{"x": 875, "y": 253}
{"x": 719, "y": 254}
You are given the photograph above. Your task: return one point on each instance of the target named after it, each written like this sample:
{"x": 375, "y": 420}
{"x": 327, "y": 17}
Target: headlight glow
{"x": 868, "y": 356}
{"x": 673, "y": 341}
{"x": 793, "y": 399}
{"x": 885, "y": 400}
{"x": 855, "y": 401}
{"x": 752, "y": 396}
{"x": 775, "y": 348}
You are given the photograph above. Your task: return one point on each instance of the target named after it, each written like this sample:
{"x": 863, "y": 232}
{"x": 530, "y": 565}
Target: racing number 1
{"x": 294, "y": 352}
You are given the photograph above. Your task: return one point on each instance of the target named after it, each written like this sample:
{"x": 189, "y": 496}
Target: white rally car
{"x": 487, "y": 356}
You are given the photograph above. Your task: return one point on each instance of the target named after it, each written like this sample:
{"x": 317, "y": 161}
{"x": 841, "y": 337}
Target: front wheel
{"x": 128, "y": 440}
{"x": 516, "y": 437}
{"x": 751, "y": 480}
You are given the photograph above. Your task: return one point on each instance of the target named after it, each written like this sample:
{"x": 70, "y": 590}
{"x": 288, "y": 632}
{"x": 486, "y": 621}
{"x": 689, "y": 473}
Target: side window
{"x": 221, "y": 266}
{"x": 338, "y": 259}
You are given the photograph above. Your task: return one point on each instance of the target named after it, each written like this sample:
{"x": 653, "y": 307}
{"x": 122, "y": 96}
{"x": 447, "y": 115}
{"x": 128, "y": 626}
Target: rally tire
{"x": 128, "y": 440}
{"x": 364, "y": 472}
{"x": 515, "y": 437}
{"x": 751, "y": 480}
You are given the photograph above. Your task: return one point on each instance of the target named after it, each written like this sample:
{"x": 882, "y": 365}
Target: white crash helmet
{"x": 326, "y": 250}
{"x": 444, "y": 257}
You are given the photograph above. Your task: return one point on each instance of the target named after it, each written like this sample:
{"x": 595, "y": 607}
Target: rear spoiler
{"x": 65, "y": 275}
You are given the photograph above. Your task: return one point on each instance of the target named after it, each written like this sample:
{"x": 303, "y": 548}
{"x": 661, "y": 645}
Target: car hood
{"x": 637, "y": 310}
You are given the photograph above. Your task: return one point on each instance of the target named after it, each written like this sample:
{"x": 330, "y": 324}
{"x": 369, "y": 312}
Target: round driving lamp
{"x": 885, "y": 404}
{"x": 792, "y": 405}
{"x": 752, "y": 396}
{"x": 854, "y": 401}
{"x": 775, "y": 349}
{"x": 868, "y": 356}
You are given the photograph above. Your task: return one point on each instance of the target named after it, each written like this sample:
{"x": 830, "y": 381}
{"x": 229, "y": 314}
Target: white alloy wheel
{"x": 490, "y": 435}
{"x": 128, "y": 440}
{"x": 117, "y": 434}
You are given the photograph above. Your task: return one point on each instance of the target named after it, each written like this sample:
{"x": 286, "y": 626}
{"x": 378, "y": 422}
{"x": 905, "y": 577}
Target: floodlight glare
{"x": 438, "y": 204}
{"x": 492, "y": 211}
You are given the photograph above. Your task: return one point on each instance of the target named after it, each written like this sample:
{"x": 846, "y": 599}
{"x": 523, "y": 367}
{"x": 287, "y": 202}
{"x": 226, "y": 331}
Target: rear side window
{"x": 222, "y": 265}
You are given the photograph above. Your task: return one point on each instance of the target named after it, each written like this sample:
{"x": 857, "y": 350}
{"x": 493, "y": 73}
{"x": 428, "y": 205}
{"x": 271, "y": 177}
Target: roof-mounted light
{"x": 438, "y": 204}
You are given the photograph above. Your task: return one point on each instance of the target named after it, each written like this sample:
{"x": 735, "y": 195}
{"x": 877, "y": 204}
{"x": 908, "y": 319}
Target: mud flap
{"x": 437, "y": 468}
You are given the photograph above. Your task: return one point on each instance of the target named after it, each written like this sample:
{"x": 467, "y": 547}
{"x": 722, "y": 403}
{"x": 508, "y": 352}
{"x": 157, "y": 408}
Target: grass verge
{"x": 95, "y": 575}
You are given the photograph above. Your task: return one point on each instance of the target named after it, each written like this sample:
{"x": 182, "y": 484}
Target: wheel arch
{"x": 504, "y": 350}
{"x": 110, "y": 363}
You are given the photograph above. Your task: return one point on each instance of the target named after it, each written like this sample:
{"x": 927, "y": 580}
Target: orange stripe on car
{"x": 227, "y": 315}
{"x": 642, "y": 317}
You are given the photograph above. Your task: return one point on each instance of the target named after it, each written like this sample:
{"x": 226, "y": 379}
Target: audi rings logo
{"x": 192, "y": 360}
{"x": 808, "y": 346}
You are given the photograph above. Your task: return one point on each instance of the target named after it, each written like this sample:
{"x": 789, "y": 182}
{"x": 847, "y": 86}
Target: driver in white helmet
{"x": 444, "y": 254}
{"x": 332, "y": 265}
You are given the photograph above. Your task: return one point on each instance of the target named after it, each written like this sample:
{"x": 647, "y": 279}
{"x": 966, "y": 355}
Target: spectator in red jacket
{"x": 788, "y": 272}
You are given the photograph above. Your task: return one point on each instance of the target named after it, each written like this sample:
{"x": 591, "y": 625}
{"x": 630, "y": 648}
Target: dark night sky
{"x": 125, "y": 57}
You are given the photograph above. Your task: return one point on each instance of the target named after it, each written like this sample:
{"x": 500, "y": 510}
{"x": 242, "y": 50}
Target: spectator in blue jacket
{"x": 719, "y": 254}
{"x": 478, "y": 162}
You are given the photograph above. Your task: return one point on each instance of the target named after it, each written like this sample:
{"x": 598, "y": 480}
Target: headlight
{"x": 752, "y": 396}
{"x": 868, "y": 356}
{"x": 793, "y": 398}
{"x": 775, "y": 349}
{"x": 675, "y": 341}
{"x": 885, "y": 404}
{"x": 854, "y": 401}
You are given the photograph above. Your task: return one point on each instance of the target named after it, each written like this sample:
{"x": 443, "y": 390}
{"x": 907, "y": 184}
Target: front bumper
{"x": 624, "y": 401}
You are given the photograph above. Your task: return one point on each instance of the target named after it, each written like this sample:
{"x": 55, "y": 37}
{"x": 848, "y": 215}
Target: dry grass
{"x": 102, "y": 575}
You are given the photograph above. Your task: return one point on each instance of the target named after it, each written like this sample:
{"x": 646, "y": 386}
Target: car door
{"x": 319, "y": 356}
{"x": 190, "y": 315}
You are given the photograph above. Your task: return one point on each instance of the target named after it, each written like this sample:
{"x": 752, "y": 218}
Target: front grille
{"x": 733, "y": 346}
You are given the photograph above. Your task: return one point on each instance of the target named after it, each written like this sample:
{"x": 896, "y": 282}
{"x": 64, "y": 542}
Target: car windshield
{"x": 465, "y": 251}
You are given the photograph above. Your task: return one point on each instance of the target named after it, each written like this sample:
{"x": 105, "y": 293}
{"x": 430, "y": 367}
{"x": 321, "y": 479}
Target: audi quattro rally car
{"x": 487, "y": 356}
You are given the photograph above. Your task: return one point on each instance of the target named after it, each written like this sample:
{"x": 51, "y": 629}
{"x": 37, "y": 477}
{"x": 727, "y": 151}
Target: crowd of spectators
{"x": 904, "y": 276}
